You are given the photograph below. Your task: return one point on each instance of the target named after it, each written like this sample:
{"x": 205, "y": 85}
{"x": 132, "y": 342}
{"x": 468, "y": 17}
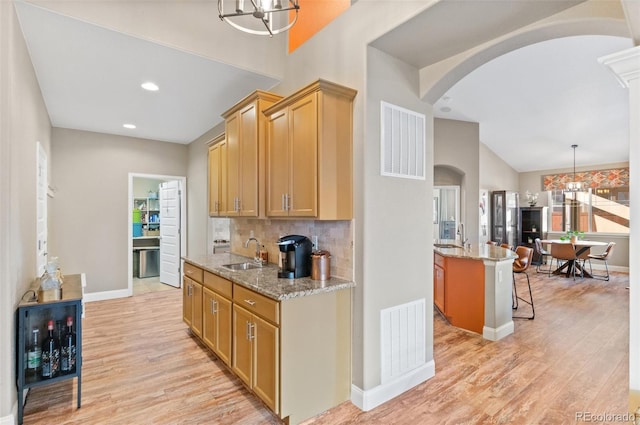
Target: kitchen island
{"x": 472, "y": 288}
{"x": 288, "y": 340}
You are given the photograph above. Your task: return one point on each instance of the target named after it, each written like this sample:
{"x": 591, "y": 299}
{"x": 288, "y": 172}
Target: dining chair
{"x": 543, "y": 254}
{"x": 520, "y": 266}
{"x": 601, "y": 257}
{"x": 565, "y": 252}
{"x": 491, "y": 243}
{"x": 506, "y": 245}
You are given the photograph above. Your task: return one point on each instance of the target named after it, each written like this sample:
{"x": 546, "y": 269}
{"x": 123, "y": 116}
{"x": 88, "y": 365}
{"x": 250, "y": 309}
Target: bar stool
{"x": 521, "y": 265}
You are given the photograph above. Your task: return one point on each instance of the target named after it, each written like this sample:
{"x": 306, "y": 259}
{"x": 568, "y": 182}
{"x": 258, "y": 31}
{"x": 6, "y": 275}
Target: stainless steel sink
{"x": 446, "y": 245}
{"x": 241, "y": 266}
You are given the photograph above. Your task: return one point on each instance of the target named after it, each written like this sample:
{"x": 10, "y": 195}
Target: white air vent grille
{"x": 402, "y": 339}
{"x": 402, "y": 142}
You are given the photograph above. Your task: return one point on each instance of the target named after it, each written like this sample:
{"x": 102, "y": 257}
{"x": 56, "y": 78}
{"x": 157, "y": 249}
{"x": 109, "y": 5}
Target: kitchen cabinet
{"x": 505, "y": 219}
{"x": 244, "y": 133}
{"x": 439, "y": 293}
{"x": 533, "y": 224}
{"x": 217, "y": 315}
{"x": 217, "y": 176}
{"x": 35, "y": 315}
{"x": 459, "y": 291}
{"x": 192, "y": 298}
{"x": 309, "y": 153}
{"x": 294, "y": 354}
{"x": 256, "y": 344}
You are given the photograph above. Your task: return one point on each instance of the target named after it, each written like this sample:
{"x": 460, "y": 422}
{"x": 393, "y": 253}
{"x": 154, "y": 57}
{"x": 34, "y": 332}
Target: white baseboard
{"x": 11, "y": 419}
{"x": 494, "y": 334}
{"x": 369, "y": 399}
{"x": 106, "y": 295}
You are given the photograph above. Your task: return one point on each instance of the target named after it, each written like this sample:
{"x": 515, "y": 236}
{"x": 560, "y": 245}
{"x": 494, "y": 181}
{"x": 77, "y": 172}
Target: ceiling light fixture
{"x": 265, "y": 12}
{"x": 574, "y": 186}
{"x": 129, "y": 126}
{"x": 150, "y": 86}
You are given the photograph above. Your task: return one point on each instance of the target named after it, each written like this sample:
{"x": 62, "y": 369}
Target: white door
{"x": 41, "y": 210}
{"x": 170, "y": 233}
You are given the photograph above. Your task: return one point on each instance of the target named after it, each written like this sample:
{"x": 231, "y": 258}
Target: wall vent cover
{"x": 402, "y": 136}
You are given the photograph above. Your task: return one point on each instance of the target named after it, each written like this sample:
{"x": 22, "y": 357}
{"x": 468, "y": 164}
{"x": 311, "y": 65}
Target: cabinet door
{"x": 248, "y": 179}
{"x": 439, "y": 288}
{"x": 303, "y": 146}
{"x": 241, "y": 362}
{"x": 214, "y": 181}
{"x": 232, "y": 134}
{"x": 196, "y": 318}
{"x": 209, "y": 319}
{"x": 277, "y": 163}
{"x": 224, "y": 328}
{"x": 187, "y": 301}
{"x": 266, "y": 379}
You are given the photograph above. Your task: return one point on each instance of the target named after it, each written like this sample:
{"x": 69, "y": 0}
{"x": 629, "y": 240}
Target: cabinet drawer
{"x": 259, "y": 304}
{"x": 219, "y": 284}
{"x": 193, "y": 272}
{"x": 438, "y": 260}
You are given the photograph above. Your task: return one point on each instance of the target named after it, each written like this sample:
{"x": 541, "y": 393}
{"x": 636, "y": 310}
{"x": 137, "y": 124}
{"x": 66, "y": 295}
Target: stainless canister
{"x": 320, "y": 265}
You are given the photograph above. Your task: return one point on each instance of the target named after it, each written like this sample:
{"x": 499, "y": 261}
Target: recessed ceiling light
{"x": 131, "y": 126}
{"x": 150, "y": 86}
{"x": 445, "y": 109}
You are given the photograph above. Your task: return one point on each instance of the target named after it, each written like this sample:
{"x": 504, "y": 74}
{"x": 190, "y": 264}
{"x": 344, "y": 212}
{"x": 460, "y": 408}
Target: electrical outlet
{"x": 314, "y": 242}
{"x": 251, "y": 234}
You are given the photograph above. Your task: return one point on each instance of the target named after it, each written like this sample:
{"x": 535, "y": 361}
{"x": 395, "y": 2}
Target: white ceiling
{"x": 90, "y": 79}
{"x": 532, "y": 103}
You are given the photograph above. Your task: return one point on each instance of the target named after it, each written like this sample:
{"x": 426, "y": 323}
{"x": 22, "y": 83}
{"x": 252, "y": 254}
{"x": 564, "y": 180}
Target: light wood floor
{"x": 141, "y": 366}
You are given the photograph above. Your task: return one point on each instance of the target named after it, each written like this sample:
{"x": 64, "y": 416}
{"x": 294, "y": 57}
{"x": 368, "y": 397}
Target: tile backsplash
{"x": 333, "y": 236}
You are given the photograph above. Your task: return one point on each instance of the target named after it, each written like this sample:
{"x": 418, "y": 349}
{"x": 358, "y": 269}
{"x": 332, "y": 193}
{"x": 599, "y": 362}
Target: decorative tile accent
{"x": 615, "y": 177}
{"x": 333, "y": 236}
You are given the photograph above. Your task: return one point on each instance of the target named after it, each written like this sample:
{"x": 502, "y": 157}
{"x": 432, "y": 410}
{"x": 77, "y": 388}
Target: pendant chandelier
{"x": 574, "y": 186}
{"x": 259, "y": 17}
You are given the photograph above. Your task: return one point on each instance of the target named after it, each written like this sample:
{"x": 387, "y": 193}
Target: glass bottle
{"x": 50, "y": 354}
{"x": 68, "y": 349}
{"x": 34, "y": 354}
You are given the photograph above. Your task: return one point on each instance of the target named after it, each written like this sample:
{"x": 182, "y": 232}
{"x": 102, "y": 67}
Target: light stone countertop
{"x": 265, "y": 280}
{"x": 480, "y": 251}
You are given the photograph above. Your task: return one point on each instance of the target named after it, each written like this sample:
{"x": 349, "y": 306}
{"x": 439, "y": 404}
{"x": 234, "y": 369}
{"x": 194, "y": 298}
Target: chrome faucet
{"x": 256, "y": 258}
{"x": 461, "y": 233}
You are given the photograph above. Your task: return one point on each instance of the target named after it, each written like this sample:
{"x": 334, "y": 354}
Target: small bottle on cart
{"x": 68, "y": 349}
{"x": 50, "y": 354}
{"x": 34, "y": 354}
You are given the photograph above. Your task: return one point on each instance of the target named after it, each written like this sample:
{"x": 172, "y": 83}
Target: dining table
{"x": 582, "y": 248}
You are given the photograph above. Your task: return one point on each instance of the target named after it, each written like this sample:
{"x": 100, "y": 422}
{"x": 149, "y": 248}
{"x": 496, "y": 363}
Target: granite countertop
{"x": 480, "y": 251}
{"x": 265, "y": 280}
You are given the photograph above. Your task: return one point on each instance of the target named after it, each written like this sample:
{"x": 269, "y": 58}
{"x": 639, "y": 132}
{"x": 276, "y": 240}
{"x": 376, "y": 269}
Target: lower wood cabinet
{"x": 192, "y": 305}
{"x": 256, "y": 355}
{"x": 294, "y": 354}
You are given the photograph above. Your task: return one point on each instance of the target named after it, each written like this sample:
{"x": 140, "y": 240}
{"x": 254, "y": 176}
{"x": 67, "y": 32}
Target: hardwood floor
{"x": 141, "y": 366}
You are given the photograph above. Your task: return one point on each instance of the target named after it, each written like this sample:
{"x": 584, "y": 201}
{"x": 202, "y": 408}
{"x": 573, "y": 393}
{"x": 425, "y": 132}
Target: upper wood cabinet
{"x": 244, "y": 132}
{"x": 309, "y": 153}
{"x": 217, "y": 176}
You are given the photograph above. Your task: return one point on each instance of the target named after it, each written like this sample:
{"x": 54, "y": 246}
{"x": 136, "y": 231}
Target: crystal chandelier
{"x": 260, "y": 17}
{"x": 574, "y": 186}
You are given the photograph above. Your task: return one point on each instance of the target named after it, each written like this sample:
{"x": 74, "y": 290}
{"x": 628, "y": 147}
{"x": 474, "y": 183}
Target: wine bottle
{"x": 34, "y": 353}
{"x": 50, "y": 354}
{"x": 68, "y": 349}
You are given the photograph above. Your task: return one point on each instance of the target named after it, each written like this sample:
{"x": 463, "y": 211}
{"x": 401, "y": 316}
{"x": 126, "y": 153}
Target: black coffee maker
{"x": 295, "y": 256}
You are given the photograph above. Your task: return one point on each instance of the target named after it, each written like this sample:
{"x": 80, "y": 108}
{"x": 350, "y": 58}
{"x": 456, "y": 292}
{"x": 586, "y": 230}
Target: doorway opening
{"x": 156, "y": 232}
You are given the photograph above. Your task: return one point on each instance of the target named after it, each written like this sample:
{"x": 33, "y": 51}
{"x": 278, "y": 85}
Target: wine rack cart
{"x": 34, "y": 314}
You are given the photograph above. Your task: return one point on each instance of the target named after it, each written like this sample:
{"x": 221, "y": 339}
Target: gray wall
{"x": 198, "y": 192}
{"x": 23, "y": 122}
{"x": 89, "y": 210}
{"x": 457, "y": 145}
